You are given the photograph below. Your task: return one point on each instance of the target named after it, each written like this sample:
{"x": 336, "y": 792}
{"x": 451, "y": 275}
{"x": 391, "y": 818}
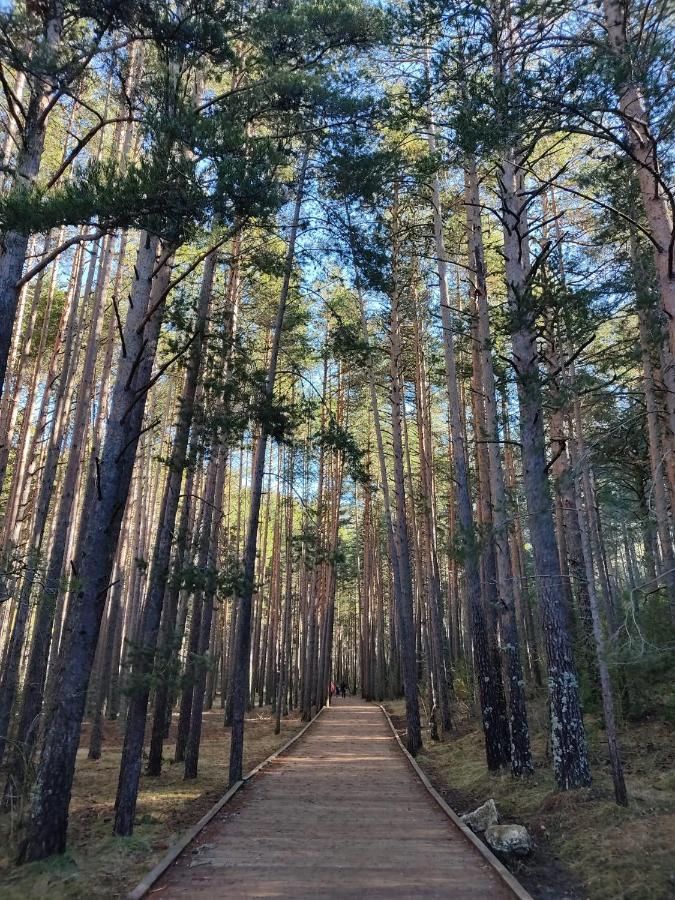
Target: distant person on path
{"x": 332, "y": 689}
{"x": 343, "y": 690}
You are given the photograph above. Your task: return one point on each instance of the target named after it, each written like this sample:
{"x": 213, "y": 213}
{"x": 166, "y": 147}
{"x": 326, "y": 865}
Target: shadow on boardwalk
{"x": 341, "y": 814}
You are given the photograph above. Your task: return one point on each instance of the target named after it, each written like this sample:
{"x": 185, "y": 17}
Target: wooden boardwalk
{"x": 341, "y": 814}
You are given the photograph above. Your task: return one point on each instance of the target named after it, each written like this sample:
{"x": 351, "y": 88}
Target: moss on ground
{"x": 587, "y": 846}
{"x": 100, "y": 865}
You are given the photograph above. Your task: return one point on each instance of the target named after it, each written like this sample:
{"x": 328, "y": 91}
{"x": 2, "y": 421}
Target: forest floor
{"x": 585, "y": 845}
{"x": 100, "y": 865}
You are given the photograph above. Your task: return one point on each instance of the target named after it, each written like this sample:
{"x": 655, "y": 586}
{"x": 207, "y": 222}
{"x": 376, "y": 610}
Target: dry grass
{"x": 601, "y": 851}
{"x": 100, "y": 865}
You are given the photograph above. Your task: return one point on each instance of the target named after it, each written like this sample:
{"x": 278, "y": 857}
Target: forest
{"x": 337, "y": 346}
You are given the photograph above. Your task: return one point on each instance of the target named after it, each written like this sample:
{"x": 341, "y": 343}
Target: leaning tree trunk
{"x": 23, "y": 478}
{"x": 95, "y": 553}
{"x": 130, "y": 766}
{"x": 43, "y": 627}
{"x": 67, "y": 491}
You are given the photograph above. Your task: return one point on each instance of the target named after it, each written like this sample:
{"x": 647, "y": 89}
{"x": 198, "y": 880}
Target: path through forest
{"x": 341, "y": 814}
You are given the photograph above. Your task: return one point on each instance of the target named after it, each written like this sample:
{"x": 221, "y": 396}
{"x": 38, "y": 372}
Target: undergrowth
{"x": 607, "y": 852}
{"x": 99, "y": 865}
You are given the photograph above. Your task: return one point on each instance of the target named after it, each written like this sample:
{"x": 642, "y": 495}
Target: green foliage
{"x": 346, "y": 343}
{"x": 337, "y": 438}
{"x": 144, "y": 195}
{"x": 642, "y": 659}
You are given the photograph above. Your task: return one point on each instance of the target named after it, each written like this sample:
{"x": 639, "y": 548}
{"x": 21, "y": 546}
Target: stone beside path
{"x": 341, "y": 814}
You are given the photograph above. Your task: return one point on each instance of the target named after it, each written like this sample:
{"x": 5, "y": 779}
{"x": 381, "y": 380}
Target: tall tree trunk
{"x": 101, "y": 688}
{"x": 130, "y": 766}
{"x": 377, "y": 426}
{"x": 601, "y": 651}
{"x": 167, "y": 668}
{"x": 206, "y": 562}
{"x": 497, "y": 739}
{"x": 521, "y": 759}
{"x": 285, "y": 650}
{"x": 643, "y": 151}
{"x": 654, "y": 442}
{"x": 443, "y": 676}
{"x": 401, "y": 536}
{"x": 242, "y": 647}
{"x": 101, "y": 521}
{"x": 22, "y": 483}
{"x": 570, "y": 759}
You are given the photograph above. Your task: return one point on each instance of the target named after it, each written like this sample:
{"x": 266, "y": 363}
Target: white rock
{"x": 483, "y": 817}
{"x": 509, "y": 839}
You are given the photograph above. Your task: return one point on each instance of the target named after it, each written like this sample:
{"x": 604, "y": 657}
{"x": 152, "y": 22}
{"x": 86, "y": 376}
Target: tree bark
{"x": 130, "y": 766}
{"x": 240, "y": 678}
{"x": 101, "y": 520}
{"x": 497, "y": 739}
{"x": 620, "y": 793}
{"x": 521, "y": 759}
{"x": 401, "y": 535}
{"x": 568, "y": 741}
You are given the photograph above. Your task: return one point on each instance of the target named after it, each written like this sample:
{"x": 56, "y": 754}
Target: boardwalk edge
{"x": 187, "y": 837}
{"x": 506, "y": 876}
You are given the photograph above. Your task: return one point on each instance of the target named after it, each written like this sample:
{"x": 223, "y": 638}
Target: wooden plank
{"x": 506, "y": 876}
{"x": 179, "y": 846}
{"x": 340, "y": 815}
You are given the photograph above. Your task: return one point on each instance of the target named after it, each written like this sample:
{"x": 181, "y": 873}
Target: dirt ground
{"x": 586, "y": 847}
{"x": 100, "y": 865}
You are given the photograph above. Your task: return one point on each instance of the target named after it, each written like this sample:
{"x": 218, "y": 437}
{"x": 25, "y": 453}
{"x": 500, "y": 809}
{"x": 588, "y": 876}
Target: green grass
{"x": 609, "y": 851}
{"x": 100, "y": 865}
